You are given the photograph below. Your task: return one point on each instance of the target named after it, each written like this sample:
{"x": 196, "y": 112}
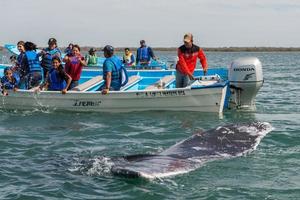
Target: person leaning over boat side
{"x": 47, "y": 55}
{"x": 8, "y": 81}
{"x": 128, "y": 58}
{"x": 187, "y": 60}
{"x": 74, "y": 64}
{"x": 58, "y": 79}
{"x": 111, "y": 71}
{"x": 33, "y": 69}
{"x": 91, "y": 59}
{"x": 144, "y": 55}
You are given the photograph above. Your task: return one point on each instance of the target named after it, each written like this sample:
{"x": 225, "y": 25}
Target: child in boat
{"x": 58, "y": 79}
{"x": 8, "y": 81}
{"x": 74, "y": 64}
{"x": 91, "y": 59}
{"x": 47, "y": 54}
{"x": 32, "y": 66}
{"x": 128, "y": 58}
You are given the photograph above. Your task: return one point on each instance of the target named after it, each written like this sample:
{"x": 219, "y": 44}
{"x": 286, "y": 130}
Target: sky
{"x": 162, "y": 23}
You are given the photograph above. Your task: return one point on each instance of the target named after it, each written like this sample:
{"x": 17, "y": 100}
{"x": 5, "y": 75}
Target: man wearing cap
{"x": 187, "y": 60}
{"x": 111, "y": 71}
{"x": 144, "y": 55}
{"x": 47, "y": 54}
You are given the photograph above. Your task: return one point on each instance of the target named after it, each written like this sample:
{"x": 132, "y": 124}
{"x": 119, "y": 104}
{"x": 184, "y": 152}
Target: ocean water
{"x": 64, "y": 155}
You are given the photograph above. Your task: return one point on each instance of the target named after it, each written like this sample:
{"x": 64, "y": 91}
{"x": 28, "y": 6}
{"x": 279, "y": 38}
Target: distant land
{"x": 213, "y": 49}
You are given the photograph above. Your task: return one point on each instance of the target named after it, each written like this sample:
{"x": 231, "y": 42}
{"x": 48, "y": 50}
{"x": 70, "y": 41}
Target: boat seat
{"x": 88, "y": 84}
{"x": 161, "y": 83}
{"x": 131, "y": 81}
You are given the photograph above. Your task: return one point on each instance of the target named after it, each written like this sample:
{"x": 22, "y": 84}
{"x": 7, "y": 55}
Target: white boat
{"x": 145, "y": 90}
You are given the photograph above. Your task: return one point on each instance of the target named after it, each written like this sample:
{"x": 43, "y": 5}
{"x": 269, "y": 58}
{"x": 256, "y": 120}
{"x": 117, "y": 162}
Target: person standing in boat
{"x": 111, "y": 71}
{"x": 20, "y": 68}
{"x": 32, "y": 66}
{"x": 128, "y": 58}
{"x": 58, "y": 79}
{"x": 47, "y": 55}
{"x": 144, "y": 55}
{"x": 74, "y": 64}
{"x": 92, "y": 58}
{"x": 68, "y": 50}
{"x": 187, "y": 60}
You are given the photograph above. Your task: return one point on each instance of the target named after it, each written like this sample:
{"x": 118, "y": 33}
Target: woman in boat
{"x": 58, "y": 79}
{"x": 8, "y": 81}
{"x": 74, "y": 64}
{"x": 32, "y": 66}
{"x": 47, "y": 55}
{"x": 20, "y": 67}
{"x": 91, "y": 59}
{"x": 128, "y": 58}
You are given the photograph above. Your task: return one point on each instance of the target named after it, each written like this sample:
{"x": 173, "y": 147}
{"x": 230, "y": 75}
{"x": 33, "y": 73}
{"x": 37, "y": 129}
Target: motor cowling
{"x": 246, "y": 78}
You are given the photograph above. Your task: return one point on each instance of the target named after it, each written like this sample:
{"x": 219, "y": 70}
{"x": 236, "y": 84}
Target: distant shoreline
{"x": 211, "y": 49}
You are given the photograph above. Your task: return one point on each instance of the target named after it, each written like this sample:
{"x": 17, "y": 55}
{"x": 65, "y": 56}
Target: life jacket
{"x": 120, "y": 74}
{"x": 92, "y": 60}
{"x": 33, "y": 61}
{"x": 128, "y": 59}
{"x": 144, "y": 55}
{"x": 57, "y": 83}
{"x": 9, "y": 85}
{"x": 47, "y": 58}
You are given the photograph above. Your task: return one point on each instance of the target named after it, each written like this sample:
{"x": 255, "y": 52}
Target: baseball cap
{"x": 52, "y": 41}
{"x": 188, "y": 37}
{"x": 92, "y": 50}
{"x": 108, "y": 48}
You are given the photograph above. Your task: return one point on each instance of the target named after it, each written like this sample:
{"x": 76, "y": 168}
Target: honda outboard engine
{"x": 246, "y": 78}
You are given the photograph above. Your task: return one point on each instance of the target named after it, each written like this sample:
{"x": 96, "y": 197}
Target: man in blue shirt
{"x": 111, "y": 71}
{"x": 144, "y": 55}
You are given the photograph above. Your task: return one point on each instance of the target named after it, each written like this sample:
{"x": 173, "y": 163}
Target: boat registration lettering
{"x": 161, "y": 93}
{"x": 79, "y": 103}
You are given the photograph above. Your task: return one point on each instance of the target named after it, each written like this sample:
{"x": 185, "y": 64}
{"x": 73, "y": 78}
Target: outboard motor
{"x": 246, "y": 78}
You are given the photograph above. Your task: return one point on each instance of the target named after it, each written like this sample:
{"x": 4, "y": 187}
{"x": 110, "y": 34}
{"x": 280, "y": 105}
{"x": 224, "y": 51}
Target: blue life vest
{"x": 119, "y": 75}
{"x": 47, "y": 58}
{"x": 33, "y": 61}
{"x": 6, "y": 84}
{"x": 57, "y": 83}
{"x": 117, "y": 63}
{"x": 144, "y": 55}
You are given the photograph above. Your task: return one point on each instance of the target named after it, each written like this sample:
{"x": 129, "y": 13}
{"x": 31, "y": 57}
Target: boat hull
{"x": 185, "y": 99}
